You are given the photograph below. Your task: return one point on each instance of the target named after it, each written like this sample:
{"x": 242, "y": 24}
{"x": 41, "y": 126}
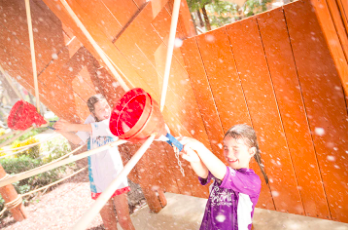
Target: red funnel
{"x": 136, "y": 116}
{"x": 23, "y": 115}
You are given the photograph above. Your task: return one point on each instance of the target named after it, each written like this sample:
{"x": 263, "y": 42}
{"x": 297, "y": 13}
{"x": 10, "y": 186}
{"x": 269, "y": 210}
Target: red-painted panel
{"x": 204, "y": 98}
{"x": 214, "y": 48}
{"x": 223, "y": 78}
{"x": 324, "y": 103}
{"x": 47, "y": 29}
{"x": 161, "y": 25}
{"x": 102, "y": 16}
{"x": 253, "y": 72}
{"x": 287, "y": 89}
{"x": 122, "y": 10}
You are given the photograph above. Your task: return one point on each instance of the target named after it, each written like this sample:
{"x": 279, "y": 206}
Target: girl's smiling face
{"x": 237, "y": 153}
{"x": 102, "y": 110}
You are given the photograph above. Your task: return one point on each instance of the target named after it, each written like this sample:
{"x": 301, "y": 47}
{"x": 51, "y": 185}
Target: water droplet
{"x": 319, "y": 131}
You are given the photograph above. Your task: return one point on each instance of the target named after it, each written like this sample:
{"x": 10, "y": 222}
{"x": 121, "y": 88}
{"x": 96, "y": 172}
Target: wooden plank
{"x": 107, "y": 85}
{"x": 115, "y": 55}
{"x": 186, "y": 26}
{"x": 102, "y": 16}
{"x": 138, "y": 25}
{"x": 287, "y": 89}
{"x": 178, "y": 124}
{"x": 81, "y": 108}
{"x": 222, "y": 76}
{"x": 253, "y": 72}
{"x": 139, "y": 3}
{"x": 153, "y": 168}
{"x": 327, "y": 26}
{"x": 161, "y": 24}
{"x": 219, "y": 64}
{"x": 16, "y": 59}
{"x": 96, "y": 33}
{"x": 204, "y": 98}
{"x": 122, "y": 10}
{"x": 343, "y": 5}
{"x": 48, "y": 34}
{"x": 76, "y": 75}
{"x": 16, "y": 55}
{"x": 338, "y": 19}
{"x": 324, "y": 102}
{"x": 63, "y": 94}
{"x": 151, "y": 69}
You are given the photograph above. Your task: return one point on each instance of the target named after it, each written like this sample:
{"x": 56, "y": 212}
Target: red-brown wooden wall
{"x": 273, "y": 71}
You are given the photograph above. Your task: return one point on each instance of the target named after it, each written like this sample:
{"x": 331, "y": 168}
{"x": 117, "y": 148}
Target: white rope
{"x": 3, "y": 211}
{"x": 8, "y": 134}
{"x": 95, "y": 45}
{"x": 173, "y": 25}
{"x": 11, "y": 154}
{"x": 54, "y": 183}
{"x": 32, "y": 51}
{"x": 14, "y": 138}
{"x": 39, "y": 189}
{"x": 31, "y": 145}
{"x": 62, "y": 157}
{"x": 14, "y": 203}
{"x": 106, "y": 194}
{"x": 44, "y": 168}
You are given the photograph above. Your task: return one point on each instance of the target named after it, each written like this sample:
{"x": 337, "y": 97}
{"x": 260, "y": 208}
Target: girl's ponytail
{"x": 257, "y": 157}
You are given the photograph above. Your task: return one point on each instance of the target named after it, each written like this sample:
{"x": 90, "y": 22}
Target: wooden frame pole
{"x": 32, "y": 52}
{"x": 173, "y": 25}
{"x": 105, "y": 196}
{"x": 95, "y": 45}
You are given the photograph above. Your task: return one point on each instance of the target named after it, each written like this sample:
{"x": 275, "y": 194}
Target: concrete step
{"x": 186, "y": 212}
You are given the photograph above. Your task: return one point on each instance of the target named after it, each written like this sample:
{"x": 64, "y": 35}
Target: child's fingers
{"x": 183, "y": 140}
{"x": 184, "y": 156}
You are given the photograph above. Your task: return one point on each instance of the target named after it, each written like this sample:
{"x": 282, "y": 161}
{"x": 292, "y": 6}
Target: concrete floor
{"x": 185, "y": 212}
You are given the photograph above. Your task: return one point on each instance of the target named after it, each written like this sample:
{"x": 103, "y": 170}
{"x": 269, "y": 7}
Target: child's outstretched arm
{"x": 72, "y": 137}
{"x": 100, "y": 128}
{"x": 197, "y": 165}
{"x": 65, "y": 126}
{"x": 209, "y": 160}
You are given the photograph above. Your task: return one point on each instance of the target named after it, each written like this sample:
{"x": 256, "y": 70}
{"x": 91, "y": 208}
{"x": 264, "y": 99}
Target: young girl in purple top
{"x": 236, "y": 187}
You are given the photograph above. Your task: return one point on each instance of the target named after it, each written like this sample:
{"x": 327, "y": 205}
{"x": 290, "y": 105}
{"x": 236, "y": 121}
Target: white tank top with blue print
{"x": 103, "y": 167}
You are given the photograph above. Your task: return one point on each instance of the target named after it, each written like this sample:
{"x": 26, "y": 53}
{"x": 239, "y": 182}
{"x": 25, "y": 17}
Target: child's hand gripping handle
{"x": 172, "y": 140}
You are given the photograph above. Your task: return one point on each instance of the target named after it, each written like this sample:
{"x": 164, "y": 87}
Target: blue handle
{"x": 50, "y": 126}
{"x": 174, "y": 141}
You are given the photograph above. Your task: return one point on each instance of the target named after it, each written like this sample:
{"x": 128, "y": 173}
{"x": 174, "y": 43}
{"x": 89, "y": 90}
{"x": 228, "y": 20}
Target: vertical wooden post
{"x": 9, "y": 194}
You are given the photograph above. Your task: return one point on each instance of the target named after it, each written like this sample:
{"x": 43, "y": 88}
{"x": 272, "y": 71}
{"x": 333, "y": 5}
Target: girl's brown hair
{"x": 92, "y": 101}
{"x": 248, "y": 135}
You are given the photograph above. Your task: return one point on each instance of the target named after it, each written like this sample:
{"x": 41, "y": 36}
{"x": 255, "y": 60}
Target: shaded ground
{"x": 65, "y": 203}
{"x": 59, "y": 208}
{"x": 62, "y": 207}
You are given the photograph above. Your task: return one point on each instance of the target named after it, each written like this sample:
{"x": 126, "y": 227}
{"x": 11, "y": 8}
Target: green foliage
{"x": 253, "y": 7}
{"x": 221, "y": 12}
{"x": 198, "y": 4}
{"x": 57, "y": 148}
{"x": 33, "y": 152}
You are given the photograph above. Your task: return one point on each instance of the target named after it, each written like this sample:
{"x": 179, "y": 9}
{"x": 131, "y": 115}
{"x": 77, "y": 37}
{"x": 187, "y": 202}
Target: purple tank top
{"x": 221, "y": 209}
